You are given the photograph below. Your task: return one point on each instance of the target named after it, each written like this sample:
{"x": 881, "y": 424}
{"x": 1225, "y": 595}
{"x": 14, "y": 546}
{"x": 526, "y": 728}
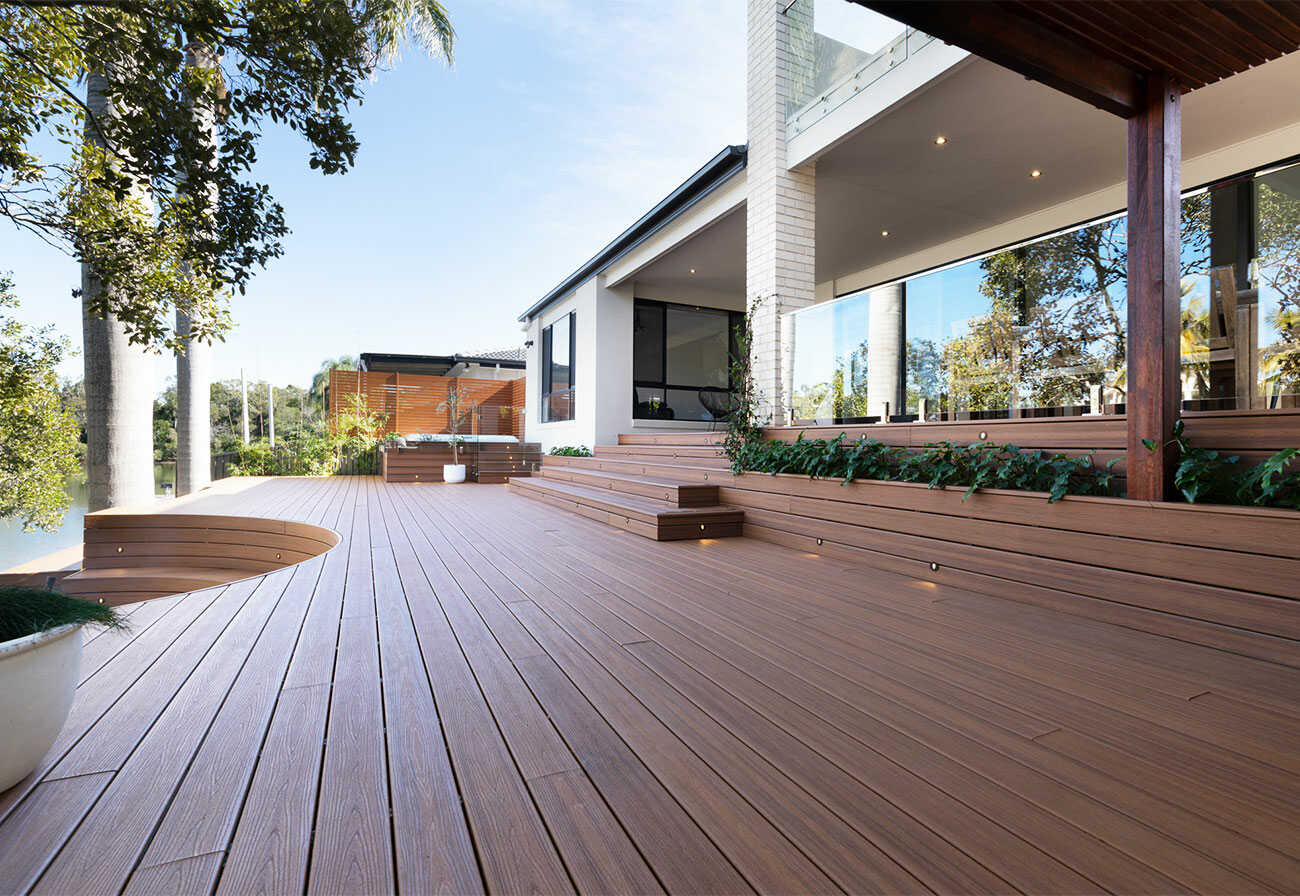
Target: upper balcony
{"x": 854, "y": 54}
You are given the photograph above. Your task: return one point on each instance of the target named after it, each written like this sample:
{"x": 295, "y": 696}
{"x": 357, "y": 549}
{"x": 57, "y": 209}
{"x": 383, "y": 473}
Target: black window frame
{"x": 735, "y": 319}
{"x": 548, "y": 392}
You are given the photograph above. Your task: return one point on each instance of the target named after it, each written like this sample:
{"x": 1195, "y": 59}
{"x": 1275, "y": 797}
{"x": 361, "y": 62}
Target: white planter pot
{"x": 38, "y": 678}
{"x": 453, "y": 472}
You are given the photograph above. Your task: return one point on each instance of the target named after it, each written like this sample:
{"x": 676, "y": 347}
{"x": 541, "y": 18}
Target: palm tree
{"x": 423, "y": 22}
{"x": 119, "y": 406}
{"x": 320, "y": 383}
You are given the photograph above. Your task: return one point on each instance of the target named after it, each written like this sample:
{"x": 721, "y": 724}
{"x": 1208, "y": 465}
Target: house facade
{"x": 923, "y": 236}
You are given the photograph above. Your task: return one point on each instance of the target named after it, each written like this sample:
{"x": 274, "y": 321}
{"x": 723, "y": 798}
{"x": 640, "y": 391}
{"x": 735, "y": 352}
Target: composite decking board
{"x": 897, "y": 658}
{"x": 190, "y": 875}
{"x": 848, "y": 802}
{"x": 514, "y": 848}
{"x": 101, "y": 853}
{"x": 352, "y": 850}
{"x": 202, "y": 814}
{"x": 874, "y": 867}
{"x": 1203, "y": 870}
{"x": 714, "y": 804}
{"x": 1227, "y": 640}
{"x": 1069, "y": 657}
{"x": 433, "y": 847}
{"x": 269, "y": 848}
{"x": 1229, "y": 607}
{"x": 796, "y": 657}
{"x": 954, "y": 871}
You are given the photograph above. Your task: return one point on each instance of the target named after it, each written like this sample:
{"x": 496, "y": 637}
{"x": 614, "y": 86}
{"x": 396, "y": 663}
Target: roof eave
{"x": 714, "y": 172}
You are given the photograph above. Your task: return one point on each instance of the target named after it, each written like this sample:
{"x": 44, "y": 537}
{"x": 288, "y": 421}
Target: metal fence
{"x": 284, "y": 460}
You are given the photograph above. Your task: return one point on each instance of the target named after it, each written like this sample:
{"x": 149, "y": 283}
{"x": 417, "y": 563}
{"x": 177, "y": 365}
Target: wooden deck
{"x": 477, "y": 692}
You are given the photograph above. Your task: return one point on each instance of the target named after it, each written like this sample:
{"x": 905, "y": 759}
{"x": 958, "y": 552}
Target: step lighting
{"x": 940, "y": 140}
{"x": 934, "y": 567}
{"x": 819, "y": 541}
{"x": 884, "y": 233}
{"x": 1035, "y": 173}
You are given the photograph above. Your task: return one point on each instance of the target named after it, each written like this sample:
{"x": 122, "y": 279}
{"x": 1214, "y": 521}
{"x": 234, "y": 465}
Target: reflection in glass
{"x": 681, "y": 361}
{"x": 1041, "y": 329}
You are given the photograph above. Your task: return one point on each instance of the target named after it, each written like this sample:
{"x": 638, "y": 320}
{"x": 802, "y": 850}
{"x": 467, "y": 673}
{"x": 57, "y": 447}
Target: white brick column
{"x": 780, "y": 209}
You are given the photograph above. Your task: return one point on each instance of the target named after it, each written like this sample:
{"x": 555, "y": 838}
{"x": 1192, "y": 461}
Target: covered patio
{"x": 477, "y": 692}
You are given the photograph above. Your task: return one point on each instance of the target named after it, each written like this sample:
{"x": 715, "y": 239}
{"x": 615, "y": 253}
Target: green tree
{"x": 320, "y": 383}
{"x": 38, "y": 436}
{"x": 204, "y": 224}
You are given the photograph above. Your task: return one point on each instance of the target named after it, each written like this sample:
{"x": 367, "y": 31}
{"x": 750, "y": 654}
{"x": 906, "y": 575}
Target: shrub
{"x": 26, "y": 611}
{"x": 1206, "y": 476}
{"x": 570, "y": 451}
{"x": 981, "y": 465}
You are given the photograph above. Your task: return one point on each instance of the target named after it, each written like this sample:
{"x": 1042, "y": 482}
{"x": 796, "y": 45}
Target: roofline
{"x": 715, "y": 171}
{"x": 451, "y": 360}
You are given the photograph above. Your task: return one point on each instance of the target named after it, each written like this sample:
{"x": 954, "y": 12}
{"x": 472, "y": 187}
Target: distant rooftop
{"x": 509, "y": 358}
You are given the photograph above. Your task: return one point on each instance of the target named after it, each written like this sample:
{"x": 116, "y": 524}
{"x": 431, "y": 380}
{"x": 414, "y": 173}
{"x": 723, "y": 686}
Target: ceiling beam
{"x": 987, "y": 29}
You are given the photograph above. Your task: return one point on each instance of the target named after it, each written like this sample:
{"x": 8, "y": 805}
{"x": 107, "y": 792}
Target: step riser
{"x": 638, "y": 468}
{"x": 652, "y": 519}
{"x": 681, "y": 495}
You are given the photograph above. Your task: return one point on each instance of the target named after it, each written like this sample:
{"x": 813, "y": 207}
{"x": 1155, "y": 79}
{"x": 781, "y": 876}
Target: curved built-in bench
{"x": 138, "y": 556}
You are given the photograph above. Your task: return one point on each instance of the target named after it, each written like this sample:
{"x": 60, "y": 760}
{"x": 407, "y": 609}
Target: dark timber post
{"x": 1154, "y": 299}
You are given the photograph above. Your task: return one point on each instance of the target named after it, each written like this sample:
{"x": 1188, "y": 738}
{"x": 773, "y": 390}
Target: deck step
{"x": 125, "y": 585}
{"x": 682, "y": 470}
{"x": 679, "y": 494}
{"x": 648, "y": 517}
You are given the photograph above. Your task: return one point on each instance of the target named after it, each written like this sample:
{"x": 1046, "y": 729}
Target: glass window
{"x": 696, "y": 347}
{"x": 557, "y": 370}
{"x": 1041, "y": 329}
{"x": 681, "y": 361}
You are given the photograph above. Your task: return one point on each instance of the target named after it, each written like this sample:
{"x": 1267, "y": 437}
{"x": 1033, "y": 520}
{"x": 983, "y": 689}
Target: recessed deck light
{"x": 1035, "y": 173}
{"x": 934, "y": 567}
{"x": 940, "y": 140}
{"x": 884, "y": 233}
{"x": 692, "y": 270}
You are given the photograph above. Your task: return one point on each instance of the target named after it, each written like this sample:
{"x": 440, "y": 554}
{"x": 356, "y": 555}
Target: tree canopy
{"x": 38, "y": 437}
{"x": 204, "y": 223}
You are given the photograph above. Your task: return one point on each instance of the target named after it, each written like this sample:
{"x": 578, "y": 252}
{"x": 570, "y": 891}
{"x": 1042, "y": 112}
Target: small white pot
{"x": 453, "y": 472}
{"x": 38, "y": 679}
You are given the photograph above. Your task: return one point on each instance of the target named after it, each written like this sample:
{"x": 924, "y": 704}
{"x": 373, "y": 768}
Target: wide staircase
{"x": 652, "y": 484}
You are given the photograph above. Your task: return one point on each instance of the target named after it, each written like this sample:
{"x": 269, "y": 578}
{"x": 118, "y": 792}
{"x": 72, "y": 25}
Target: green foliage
{"x": 570, "y": 451}
{"x": 743, "y": 426}
{"x": 981, "y": 465}
{"x": 456, "y": 417}
{"x": 1205, "y": 476}
{"x": 206, "y": 223}
{"x": 38, "y": 436}
{"x": 26, "y": 611}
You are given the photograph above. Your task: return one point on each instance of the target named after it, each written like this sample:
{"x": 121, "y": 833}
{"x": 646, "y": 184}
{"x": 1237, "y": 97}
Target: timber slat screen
{"x": 476, "y": 692}
{"x": 411, "y": 402}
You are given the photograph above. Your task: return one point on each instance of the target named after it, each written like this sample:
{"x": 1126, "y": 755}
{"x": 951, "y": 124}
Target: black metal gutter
{"x": 716, "y": 171}
{"x": 368, "y": 358}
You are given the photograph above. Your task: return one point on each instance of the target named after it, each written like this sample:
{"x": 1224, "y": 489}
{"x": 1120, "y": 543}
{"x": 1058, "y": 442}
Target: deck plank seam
{"x": 510, "y": 751}
{"x": 727, "y": 782}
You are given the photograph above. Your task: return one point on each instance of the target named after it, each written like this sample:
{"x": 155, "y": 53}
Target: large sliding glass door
{"x": 681, "y": 361}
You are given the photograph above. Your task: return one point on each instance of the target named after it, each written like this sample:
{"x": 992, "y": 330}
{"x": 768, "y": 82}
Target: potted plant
{"x": 454, "y": 471}
{"x": 40, "y": 658}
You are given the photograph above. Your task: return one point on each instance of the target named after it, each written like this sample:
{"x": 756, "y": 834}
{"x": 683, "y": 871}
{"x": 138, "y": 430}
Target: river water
{"x": 17, "y": 546}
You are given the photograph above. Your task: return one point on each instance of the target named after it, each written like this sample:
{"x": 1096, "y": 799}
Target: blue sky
{"x": 476, "y": 189}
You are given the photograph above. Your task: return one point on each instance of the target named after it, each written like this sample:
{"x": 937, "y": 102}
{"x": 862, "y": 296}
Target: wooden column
{"x": 1154, "y": 388}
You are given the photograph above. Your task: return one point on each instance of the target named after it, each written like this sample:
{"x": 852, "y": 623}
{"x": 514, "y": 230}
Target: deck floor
{"x": 476, "y": 692}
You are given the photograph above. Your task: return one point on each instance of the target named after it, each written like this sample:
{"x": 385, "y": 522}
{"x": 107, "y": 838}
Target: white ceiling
{"x": 999, "y": 127}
